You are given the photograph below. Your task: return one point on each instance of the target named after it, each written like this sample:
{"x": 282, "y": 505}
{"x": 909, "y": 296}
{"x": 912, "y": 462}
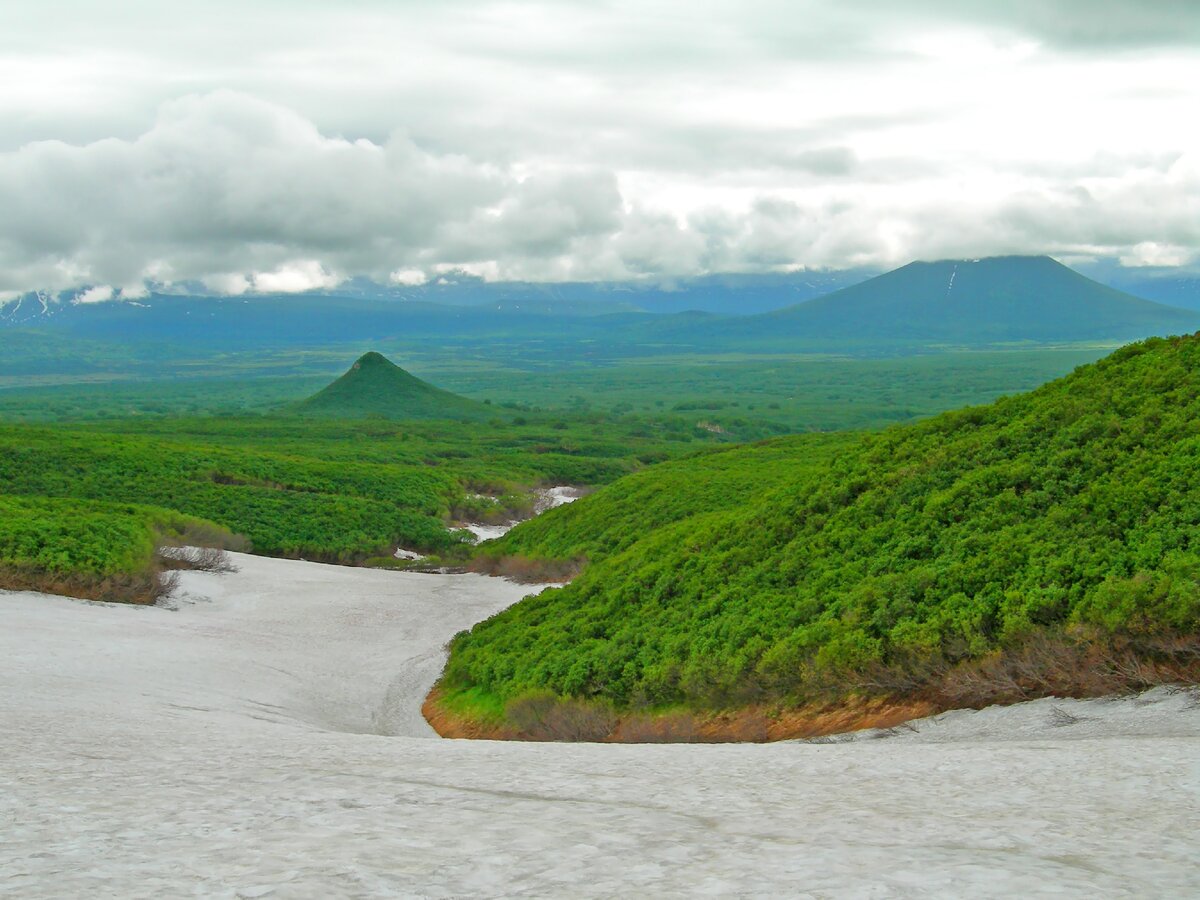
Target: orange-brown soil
{"x": 749, "y": 724}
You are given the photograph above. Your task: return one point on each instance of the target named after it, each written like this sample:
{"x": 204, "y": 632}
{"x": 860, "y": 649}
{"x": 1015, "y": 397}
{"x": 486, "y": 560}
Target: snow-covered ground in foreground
{"x": 264, "y": 739}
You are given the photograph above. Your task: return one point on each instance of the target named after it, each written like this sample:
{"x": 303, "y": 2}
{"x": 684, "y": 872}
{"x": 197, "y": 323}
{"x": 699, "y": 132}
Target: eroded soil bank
{"x": 752, "y": 724}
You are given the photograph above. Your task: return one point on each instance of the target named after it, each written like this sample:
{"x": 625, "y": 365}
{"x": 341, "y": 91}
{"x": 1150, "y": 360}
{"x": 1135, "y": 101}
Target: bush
{"x": 952, "y": 545}
{"x": 543, "y": 716}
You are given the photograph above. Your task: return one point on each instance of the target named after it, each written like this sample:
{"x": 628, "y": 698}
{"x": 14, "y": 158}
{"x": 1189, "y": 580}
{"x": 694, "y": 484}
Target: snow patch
{"x": 265, "y": 739}
{"x": 545, "y": 498}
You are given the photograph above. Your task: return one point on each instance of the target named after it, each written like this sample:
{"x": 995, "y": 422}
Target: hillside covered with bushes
{"x": 335, "y": 490}
{"x": 97, "y": 551}
{"x": 1049, "y": 542}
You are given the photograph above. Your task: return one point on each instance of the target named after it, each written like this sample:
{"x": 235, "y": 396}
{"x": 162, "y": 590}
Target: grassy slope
{"x": 100, "y": 551}
{"x": 710, "y": 481}
{"x": 335, "y": 490}
{"x": 926, "y": 546}
{"x": 285, "y": 505}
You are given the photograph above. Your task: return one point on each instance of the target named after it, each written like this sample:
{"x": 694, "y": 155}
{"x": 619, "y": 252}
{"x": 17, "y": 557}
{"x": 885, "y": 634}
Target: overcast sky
{"x": 269, "y": 145}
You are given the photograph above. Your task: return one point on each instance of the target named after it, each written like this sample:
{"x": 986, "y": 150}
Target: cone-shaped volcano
{"x": 375, "y": 386}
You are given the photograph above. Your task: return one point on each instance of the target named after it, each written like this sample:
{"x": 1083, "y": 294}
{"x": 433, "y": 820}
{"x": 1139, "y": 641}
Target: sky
{"x": 286, "y": 146}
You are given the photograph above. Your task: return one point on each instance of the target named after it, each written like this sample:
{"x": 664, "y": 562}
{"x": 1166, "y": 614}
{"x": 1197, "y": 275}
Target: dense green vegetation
{"x": 748, "y": 396}
{"x": 67, "y": 536}
{"x": 61, "y": 399}
{"x": 708, "y": 481}
{"x": 375, "y": 386}
{"x": 335, "y": 490}
{"x": 101, "y": 551}
{"x": 284, "y": 505}
{"x": 1069, "y": 509}
{"x": 323, "y": 488}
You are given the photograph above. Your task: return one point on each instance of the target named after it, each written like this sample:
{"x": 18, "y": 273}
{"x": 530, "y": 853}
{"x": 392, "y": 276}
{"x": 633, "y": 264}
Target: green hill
{"x": 376, "y": 387}
{"x": 1047, "y": 543}
{"x": 968, "y": 302}
{"x": 92, "y": 549}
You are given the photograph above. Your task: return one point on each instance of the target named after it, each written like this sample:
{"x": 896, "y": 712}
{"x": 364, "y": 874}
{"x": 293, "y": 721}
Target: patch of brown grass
{"x": 543, "y": 716}
{"x": 1077, "y": 666}
{"x": 665, "y": 728}
{"x": 143, "y": 588}
{"x": 524, "y": 570}
{"x": 196, "y": 559}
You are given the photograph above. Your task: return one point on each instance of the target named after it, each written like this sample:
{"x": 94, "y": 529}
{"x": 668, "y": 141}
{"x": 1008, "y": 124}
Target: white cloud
{"x": 1150, "y": 253}
{"x": 232, "y": 283}
{"x": 135, "y": 291}
{"x": 548, "y": 140}
{"x": 99, "y": 294}
{"x": 408, "y": 277}
{"x": 295, "y": 278}
{"x": 247, "y": 196}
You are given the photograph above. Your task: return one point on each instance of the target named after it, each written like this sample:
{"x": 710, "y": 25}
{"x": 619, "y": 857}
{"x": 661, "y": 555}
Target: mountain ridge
{"x": 998, "y": 299}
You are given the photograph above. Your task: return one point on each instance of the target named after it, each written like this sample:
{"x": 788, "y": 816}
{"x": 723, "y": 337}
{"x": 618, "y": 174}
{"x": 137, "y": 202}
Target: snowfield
{"x": 263, "y": 738}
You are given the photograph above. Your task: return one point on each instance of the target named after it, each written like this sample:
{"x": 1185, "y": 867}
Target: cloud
{"x": 296, "y": 277}
{"x": 317, "y": 141}
{"x": 247, "y": 196}
{"x": 1086, "y": 24}
{"x": 99, "y": 294}
{"x": 408, "y": 277}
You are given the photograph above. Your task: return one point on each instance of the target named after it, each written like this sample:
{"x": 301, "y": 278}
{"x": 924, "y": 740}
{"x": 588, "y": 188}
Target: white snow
{"x": 264, "y": 738}
{"x": 561, "y": 495}
{"x": 545, "y": 498}
{"x": 488, "y": 532}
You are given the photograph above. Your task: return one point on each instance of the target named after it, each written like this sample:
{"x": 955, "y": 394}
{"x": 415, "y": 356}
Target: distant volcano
{"x": 979, "y": 301}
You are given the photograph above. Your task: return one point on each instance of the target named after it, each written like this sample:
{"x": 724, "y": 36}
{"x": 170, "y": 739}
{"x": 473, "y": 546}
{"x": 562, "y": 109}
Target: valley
{"x": 863, "y": 562}
{"x": 569, "y": 450}
{"x": 725, "y": 566}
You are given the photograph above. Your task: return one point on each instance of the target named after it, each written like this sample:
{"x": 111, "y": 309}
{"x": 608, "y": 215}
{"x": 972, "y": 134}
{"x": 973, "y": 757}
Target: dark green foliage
{"x": 375, "y": 386}
{"x": 64, "y": 537}
{"x": 709, "y": 481}
{"x": 285, "y": 505}
{"x": 335, "y": 490}
{"x": 921, "y": 546}
{"x": 99, "y": 551}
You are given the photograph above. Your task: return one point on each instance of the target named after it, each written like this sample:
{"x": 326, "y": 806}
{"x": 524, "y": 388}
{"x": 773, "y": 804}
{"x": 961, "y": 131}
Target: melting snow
{"x": 264, "y": 739}
{"x": 546, "y": 498}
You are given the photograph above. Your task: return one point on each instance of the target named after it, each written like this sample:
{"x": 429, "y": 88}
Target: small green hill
{"x": 1046, "y": 543}
{"x": 376, "y": 387}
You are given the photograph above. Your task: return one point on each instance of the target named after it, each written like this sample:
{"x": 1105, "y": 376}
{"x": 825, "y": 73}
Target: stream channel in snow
{"x": 547, "y": 498}
{"x": 261, "y": 735}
